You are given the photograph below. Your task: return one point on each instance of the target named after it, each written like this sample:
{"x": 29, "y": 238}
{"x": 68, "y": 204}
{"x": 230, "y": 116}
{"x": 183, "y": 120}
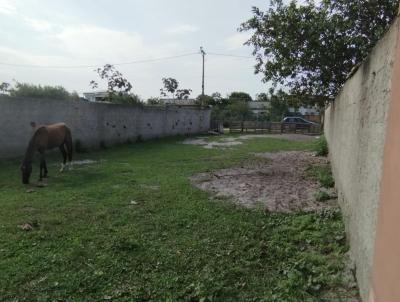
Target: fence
{"x": 270, "y": 127}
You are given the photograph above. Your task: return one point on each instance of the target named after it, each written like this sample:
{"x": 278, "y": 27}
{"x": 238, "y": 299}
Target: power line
{"x": 121, "y": 63}
{"x": 229, "y": 55}
{"x": 94, "y": 66}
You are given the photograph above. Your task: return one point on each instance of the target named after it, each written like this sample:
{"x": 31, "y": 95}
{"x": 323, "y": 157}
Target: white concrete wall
{"x": 93, "y": 123}
{"x": 355, "y": 127}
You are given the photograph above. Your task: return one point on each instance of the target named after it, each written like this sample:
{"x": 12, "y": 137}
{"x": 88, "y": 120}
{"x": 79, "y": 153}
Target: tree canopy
{"x": 39, "y": 91}
{"x": 310, "y": 48}
{"x": 171, "y": 86}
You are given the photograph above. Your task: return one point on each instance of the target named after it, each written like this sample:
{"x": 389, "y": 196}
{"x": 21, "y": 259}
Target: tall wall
{"x": 93, "y": 123}
{"x": 355, "y": 128}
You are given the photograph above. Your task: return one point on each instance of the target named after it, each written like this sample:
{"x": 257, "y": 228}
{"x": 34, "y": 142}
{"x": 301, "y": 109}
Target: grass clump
{"x": 321, "y": 146}
{"x": 323, "y": 174}
{"x": 322, "y": 196}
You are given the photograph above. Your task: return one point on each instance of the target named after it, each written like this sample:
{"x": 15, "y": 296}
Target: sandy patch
{"x": 227, "y": 142}
{"x": 276, "y": 182}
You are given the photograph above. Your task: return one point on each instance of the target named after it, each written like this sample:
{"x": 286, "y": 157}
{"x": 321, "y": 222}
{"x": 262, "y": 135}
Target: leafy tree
{"x": 118, "y": 87}
{"x": 171, "y": 86}
{"x": 262, "y": 97}
{"x": 116, "y": 83}
{"x": 311, "y": 47}
{"x": 183, "y": 94}
{"x": 154, "y": 101}
{"x": 239, "y": 110}
{"x": 4, "y": 87}
{"x": 38, "y": 91}
{"x": 240, "y": 96}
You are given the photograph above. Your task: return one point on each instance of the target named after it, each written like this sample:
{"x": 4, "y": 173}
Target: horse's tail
{"x": 68, "y": 143}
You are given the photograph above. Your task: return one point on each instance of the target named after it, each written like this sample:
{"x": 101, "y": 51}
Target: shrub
{"x": 38, "y": 91}
{"x": 321, "y": 147}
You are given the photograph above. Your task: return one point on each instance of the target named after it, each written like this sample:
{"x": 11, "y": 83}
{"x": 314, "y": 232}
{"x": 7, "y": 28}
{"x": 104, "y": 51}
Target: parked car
{"x": 300, "y": 122}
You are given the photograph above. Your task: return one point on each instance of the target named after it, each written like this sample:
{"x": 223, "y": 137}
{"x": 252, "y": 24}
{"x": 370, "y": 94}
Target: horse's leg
{"x": 45, "y": 168}
{"x": 69, "y": 147}
{"x": 42, "y": 165}
{"x": 64, "y": 154}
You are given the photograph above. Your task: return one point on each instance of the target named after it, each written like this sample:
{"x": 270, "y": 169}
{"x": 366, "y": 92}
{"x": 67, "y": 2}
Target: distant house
{"x": 95, "y": 96}
{"x": 259, "y": 108}
{"x": 305, "y": 110}
{"x": 167, "y": 101}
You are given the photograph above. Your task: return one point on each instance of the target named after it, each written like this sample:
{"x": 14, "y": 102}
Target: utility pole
{"x": 203, "y": 53}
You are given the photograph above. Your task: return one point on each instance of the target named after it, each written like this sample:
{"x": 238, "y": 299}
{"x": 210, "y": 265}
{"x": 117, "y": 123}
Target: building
{"x": 95, "y": 96}
{"x": 167, "y": 101}
{"x": 305, "y": 110}
{"x": 259, "y": 108}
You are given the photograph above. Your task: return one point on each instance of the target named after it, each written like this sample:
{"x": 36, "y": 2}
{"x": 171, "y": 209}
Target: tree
{"x": 116, "y": 83}
{"x": 311, "y": 48}
{"x": 240, "y": 96}
{"x": 171, "y": 86}
{"x": 38, "y": 91}
{"x": 4, "y": 87}
{"x": 154, "y": 101}
{"x": 118, "y": 87}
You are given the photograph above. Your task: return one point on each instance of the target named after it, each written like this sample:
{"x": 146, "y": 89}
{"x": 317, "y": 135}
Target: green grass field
{"x": 131, "y": 228}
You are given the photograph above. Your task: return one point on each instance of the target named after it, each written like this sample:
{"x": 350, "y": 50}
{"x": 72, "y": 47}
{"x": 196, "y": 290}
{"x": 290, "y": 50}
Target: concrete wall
{"x": 355, "y": 127}
{"x": 386, "y": 270}
{"x": 93, "y": 123}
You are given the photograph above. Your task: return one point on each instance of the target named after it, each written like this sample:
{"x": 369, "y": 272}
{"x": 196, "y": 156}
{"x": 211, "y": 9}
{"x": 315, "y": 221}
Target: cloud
{"x": 237, "y": 40}
{"x": 38, "y": 25}
{"x": 7, "y": 7}
{"x": 99, "y": 43}
{"x": 181, "y": 29}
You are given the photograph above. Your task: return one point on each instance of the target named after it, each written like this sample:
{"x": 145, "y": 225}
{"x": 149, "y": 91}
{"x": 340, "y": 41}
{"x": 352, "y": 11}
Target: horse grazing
{"x": 47, "y": 138}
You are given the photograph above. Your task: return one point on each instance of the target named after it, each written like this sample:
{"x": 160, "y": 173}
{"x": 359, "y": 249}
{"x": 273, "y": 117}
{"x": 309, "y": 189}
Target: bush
{"x": 321, "y": 147}
{"x": 38, "y": 91}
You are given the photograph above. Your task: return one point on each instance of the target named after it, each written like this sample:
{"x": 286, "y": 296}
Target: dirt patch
{"x": 277, "y": 182}
{"x": 227, "y": 142}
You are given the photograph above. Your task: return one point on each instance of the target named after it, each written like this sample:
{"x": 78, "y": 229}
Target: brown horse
{"x": 46, "y": 138}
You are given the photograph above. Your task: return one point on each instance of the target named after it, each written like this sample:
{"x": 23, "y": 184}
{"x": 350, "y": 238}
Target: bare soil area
{"x": 226, "y": 142}
{"x": 277, "y": 182}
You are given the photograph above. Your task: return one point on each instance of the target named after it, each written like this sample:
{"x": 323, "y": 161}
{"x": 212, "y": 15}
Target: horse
{"x": 46, "y": 138}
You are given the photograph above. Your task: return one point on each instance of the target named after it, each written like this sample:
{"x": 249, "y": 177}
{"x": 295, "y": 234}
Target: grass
{"x": 323, "y": 174}
{"x": 132, "y": 228}
{"x": 321, "y": 147}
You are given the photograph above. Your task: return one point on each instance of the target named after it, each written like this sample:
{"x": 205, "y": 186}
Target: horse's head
{"x": 26, "y": 169}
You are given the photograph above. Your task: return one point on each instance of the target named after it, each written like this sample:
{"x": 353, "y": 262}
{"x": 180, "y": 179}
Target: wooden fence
{"x": 269, "y": 127}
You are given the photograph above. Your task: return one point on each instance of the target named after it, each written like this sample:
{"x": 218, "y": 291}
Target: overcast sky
{"x": 71, "y": 33}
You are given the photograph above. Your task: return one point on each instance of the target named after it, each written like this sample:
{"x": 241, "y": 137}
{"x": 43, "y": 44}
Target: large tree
{"x": 311, "y": 47}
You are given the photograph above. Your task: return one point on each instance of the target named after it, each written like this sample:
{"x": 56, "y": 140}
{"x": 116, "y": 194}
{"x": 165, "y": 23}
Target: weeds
{"x": 321, "y": 147}
{"x": 323, "y": 174}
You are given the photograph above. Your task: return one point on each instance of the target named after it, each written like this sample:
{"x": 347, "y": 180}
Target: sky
{"x": 92, "y": 33}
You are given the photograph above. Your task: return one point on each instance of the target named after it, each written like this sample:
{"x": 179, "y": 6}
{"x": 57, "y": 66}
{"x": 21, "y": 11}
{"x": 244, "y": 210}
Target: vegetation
{"x": 321, "y": 147}
{"x": 322, "y": 196}
{"x": 310, "y": 47}
{"x": 38, "y": 91}
{"x": 171, "y": 86}
{"x": 323, "y": 174}
{"x": 118, "y": 87}
{"x": 154, "y": 101}
{"x": 130, "y": 227}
